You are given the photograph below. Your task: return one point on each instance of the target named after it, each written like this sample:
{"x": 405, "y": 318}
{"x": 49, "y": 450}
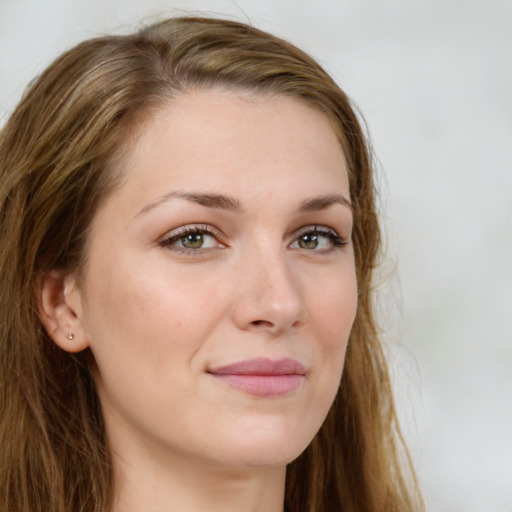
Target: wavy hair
{"x": 59, "y": 159}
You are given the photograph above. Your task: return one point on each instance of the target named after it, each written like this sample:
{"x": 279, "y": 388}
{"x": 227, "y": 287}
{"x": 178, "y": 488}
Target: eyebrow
{"x": 223, "y": 202}
{"x": 321, "y": 203}
{"x": 219, "y": 201}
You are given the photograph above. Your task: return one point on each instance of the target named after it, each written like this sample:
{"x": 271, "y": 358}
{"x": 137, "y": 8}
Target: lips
{"x": 262, "y": 377}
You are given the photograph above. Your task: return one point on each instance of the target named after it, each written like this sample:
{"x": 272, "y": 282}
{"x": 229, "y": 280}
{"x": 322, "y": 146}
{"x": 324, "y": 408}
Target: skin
{"x": 158, "y": 318}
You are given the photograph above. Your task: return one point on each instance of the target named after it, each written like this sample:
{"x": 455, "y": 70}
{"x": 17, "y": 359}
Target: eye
{"x": 192, "y": 239}
{"x": 318, "y": 238}
{"x": 196, "y": 241}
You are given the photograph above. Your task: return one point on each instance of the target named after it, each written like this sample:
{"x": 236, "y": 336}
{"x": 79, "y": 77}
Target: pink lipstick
{"x": 262, "y": 377}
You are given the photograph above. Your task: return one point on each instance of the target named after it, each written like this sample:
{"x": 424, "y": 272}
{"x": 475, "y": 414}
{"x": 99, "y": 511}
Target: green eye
{"x": 192, "y": 241}
{"x": 318, "y": 239}
{"x": 308, "y": 241}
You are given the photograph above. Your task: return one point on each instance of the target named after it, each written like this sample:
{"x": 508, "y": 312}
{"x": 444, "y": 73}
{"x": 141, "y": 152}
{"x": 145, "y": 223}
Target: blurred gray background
{"x": 434, "y": 82}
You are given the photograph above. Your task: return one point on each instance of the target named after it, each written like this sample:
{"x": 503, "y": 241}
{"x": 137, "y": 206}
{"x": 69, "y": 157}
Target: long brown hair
{"x": 59, "y": 158}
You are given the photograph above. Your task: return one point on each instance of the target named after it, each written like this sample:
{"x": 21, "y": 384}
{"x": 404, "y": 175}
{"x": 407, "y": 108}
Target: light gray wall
{"x": 434, "y": 81}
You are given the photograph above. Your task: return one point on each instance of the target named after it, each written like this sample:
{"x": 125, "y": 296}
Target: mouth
{"x": 262, "y": 377}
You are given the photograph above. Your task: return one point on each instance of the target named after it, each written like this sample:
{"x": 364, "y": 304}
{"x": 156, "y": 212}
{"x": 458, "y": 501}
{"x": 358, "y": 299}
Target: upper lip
{"x": 261, "y": 366}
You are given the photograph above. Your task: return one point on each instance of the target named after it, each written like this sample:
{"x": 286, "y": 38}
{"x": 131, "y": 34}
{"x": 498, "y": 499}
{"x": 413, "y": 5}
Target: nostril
{"x": 261, "y": 323}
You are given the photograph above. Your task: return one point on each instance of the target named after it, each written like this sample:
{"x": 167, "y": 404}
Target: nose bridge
{"x": 270, "y": 295}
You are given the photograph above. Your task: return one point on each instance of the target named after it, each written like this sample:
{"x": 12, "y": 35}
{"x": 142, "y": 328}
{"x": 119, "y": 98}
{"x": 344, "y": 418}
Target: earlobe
{"x": 60, "y": 310}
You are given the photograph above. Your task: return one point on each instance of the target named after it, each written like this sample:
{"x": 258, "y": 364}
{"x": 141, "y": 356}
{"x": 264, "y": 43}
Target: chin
{"x": 268, "y": 444}
{"x": 260, "y": 457}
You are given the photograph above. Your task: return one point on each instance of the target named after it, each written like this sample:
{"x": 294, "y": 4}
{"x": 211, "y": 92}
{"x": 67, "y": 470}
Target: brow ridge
{"x": 223, "y": 202}
{"x": 209, "y": 200}
{"x": 323, "y": 202}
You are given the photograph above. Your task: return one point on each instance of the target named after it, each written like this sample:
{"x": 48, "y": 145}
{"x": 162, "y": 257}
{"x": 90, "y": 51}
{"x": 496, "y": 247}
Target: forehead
{"x": 235, "y": 140}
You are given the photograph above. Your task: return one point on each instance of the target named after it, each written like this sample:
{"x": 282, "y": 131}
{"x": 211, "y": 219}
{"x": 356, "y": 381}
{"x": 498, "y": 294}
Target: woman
{"x": 189, "y": 236}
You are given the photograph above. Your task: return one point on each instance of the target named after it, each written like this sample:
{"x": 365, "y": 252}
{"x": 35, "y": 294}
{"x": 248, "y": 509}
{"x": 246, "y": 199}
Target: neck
{"x": 195, "y": 486}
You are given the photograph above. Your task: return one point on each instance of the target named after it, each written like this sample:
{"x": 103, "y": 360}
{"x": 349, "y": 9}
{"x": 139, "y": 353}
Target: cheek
{"x": 332, "y": 318}
{"x": 332, "y": 312}
{"x": 144, "y": 333}
{"x": 333, "y": 308}
{"x": 150, "y": 311}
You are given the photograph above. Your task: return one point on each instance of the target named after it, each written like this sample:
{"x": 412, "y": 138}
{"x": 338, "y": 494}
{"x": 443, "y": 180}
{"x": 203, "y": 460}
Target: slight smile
{"x": 262, "y": 377}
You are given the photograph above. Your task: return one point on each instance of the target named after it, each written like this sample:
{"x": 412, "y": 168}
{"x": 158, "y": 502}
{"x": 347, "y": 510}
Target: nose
{"x": 269, "y": 296}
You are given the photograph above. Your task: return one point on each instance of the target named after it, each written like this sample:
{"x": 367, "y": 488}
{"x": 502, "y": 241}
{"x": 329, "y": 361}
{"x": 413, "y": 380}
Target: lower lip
{"x": 262, "y": 385}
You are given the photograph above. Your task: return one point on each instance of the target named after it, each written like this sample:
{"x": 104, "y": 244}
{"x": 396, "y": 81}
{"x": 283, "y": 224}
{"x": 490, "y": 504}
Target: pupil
{"x": 193, "y": 241}
{"x": 309, "y": 241}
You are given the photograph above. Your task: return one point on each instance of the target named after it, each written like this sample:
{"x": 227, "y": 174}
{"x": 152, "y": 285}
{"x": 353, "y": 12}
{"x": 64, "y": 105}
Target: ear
{"x": 59, "y": 304}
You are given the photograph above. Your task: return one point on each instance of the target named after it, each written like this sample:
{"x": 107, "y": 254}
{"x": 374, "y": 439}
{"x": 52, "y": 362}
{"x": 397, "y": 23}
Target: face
{"x": 220, "y": 289}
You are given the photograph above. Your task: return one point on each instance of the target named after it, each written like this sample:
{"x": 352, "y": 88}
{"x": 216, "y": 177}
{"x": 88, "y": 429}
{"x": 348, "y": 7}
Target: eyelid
{"x": 169, "y": 239}
{"x": 336, "y": 239}
{"x": 317, "y": 228}
{"x": 182, "y": 231}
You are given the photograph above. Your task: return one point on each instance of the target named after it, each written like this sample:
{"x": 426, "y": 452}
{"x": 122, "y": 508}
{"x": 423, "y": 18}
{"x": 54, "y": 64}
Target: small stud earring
{"x": 70, "y": 336}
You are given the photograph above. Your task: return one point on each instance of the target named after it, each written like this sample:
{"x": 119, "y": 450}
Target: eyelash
{"x": 333, "y": 237}
{"x": 204, "y": 229}
{"x": 200, "y": 229}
